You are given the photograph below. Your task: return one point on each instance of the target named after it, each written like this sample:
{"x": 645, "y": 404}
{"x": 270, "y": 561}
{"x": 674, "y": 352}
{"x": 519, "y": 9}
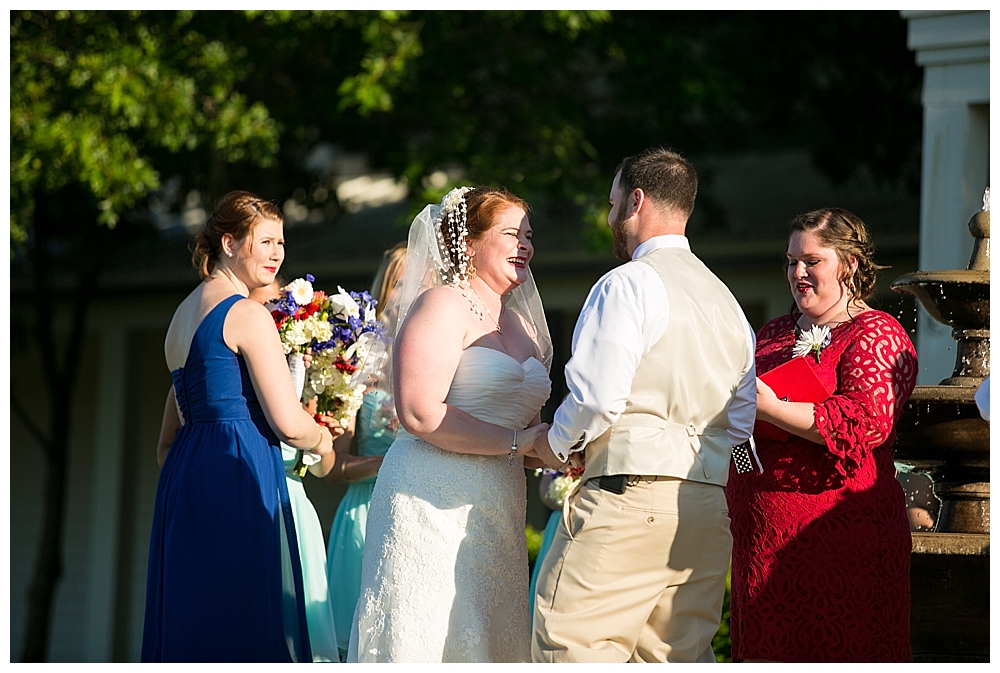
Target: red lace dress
{"x": 821, "y": 543}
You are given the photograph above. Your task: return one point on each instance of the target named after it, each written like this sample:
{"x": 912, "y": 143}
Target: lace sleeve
{"x": 877, "y": 373}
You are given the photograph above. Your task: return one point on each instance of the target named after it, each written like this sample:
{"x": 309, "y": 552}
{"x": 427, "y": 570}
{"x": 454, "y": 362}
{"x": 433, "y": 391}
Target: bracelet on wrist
{"x": 513, "y": 449}
{"x": 343, "y": 470}
{"x": 318, "y": 441}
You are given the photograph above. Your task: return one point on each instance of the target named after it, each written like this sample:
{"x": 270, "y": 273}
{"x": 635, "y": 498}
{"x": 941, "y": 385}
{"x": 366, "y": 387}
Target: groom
{"x": 662, "y": 387}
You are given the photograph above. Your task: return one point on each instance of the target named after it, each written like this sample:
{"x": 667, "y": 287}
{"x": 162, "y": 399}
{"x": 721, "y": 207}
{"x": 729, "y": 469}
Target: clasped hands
{"x": 327, "y": 423}
{"x": 535, "y": 444}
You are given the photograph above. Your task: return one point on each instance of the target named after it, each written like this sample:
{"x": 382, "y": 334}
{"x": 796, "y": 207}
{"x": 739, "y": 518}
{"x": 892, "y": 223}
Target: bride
{"x": 444, "y": 575}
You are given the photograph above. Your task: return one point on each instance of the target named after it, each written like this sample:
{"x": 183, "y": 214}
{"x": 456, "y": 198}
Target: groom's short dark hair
{"x": 664, "y": 175}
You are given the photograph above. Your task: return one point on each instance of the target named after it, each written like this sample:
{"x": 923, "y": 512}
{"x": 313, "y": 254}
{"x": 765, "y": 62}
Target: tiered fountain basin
{"x": 961, "y": 299}
{"x": 941, "y": 434}
{"x": 958, "y": 297}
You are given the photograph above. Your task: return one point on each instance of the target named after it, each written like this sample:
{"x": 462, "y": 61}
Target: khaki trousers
{"x": 636, "y": 577}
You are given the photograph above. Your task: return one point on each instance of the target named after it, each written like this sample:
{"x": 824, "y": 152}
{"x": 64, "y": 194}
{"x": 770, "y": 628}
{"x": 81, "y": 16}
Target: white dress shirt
{"x": 626, "y": 313}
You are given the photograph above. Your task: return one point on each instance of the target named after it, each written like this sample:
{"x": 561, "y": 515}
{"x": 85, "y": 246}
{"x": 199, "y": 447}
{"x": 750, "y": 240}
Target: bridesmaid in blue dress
{"x": 214, "y": 587}
{"x": 375, "y": 427}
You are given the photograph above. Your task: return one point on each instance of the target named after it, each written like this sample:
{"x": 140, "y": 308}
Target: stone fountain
{"x": 941, "y": 434}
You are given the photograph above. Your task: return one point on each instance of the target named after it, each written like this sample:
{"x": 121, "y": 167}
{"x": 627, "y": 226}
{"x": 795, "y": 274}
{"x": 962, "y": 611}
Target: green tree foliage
{"x": 548, "y": 102}
{"x": 94, "y": 93}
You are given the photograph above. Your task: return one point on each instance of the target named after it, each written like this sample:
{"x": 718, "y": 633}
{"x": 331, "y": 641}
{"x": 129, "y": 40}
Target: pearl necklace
{"x": 475, "y": 309}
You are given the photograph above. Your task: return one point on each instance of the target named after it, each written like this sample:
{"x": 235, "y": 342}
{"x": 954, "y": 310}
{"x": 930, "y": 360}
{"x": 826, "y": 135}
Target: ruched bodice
{"x": 214, "y": 383}
{"x": 445, "y": 568}
{"x": 494, "y": 387}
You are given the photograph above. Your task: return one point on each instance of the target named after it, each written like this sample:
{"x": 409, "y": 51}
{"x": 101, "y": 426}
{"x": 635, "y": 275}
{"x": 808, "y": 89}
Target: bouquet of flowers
{"x": 562, "y": 482}
{"x": 338, "y": 330}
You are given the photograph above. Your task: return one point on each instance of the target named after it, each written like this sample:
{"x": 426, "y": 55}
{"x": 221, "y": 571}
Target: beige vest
{"x": 676, "y": 416}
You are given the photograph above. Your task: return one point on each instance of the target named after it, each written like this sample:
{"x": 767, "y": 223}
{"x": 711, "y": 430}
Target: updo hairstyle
{"x": 483, "y": 205}
{"x": 844, "y": 232}
{"x": 235, "y": 214}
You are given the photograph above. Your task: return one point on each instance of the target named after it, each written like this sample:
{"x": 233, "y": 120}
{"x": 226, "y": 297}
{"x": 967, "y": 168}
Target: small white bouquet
{"x": 561, "y": 484}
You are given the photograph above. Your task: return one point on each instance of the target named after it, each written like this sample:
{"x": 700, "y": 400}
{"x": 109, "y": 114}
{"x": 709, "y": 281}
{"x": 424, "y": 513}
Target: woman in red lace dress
{"x": 821, "y": 543}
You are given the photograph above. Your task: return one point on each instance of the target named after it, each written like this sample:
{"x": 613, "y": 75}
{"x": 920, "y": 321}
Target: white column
{"x": 953, "y": 48}
{"x": 105, "y": 500}
{"x": 955, "y": 173}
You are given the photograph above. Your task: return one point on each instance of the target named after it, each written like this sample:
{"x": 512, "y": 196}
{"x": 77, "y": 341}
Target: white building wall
{"x": 954, "y": 49}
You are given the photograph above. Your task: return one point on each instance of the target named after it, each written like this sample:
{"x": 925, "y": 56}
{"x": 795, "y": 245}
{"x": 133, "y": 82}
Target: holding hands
{"x": 536, "y": 446}
{"x": 329, "y": 429}
{"x": 529, "y": 438}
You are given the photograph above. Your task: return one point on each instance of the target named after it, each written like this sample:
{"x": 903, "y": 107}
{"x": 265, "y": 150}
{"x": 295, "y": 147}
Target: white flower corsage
{"x": 812, "y": 340}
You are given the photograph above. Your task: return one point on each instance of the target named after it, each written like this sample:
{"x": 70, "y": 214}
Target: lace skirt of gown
{"x": 445, "y": 568}
{"x": 447, "y": 541}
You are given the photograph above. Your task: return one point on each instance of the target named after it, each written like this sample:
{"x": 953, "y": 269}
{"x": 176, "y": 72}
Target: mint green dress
{"x": 375, "y": 430}
{"x": 312, "y": 551}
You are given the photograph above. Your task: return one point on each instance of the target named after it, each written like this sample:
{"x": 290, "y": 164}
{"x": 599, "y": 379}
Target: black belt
{"x": 616, "y": 483}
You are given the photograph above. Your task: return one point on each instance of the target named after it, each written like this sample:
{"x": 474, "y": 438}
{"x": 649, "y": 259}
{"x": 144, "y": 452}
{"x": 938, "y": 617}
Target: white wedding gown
{"x": 444, "y": 576}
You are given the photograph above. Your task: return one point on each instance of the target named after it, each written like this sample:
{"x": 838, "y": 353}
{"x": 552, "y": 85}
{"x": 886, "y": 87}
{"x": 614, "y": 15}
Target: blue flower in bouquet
{"x": 301, "y": 316}
{"x": 353, "y": 331}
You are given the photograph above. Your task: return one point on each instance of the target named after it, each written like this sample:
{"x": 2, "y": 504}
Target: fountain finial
{"x": 979, "y": 227}
{"x": 961, "y": 299}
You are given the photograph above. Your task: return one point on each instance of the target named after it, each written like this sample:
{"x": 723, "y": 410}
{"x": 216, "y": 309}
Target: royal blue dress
{"x": 215, "y": 585}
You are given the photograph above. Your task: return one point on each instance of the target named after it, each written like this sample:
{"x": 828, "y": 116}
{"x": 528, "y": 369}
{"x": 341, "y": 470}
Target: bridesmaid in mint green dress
{"x": 312, "y": 551}
{"x": 308, "y": 531}
{"x": 375, "y": 428}
{"x": 347, "y": 533}
{"x": 547, "y": 536}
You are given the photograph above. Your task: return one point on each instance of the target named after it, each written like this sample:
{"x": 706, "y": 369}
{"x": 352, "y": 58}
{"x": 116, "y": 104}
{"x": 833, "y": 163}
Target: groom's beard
{"x": 620, "y": 246}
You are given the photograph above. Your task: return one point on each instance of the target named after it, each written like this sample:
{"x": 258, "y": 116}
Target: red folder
{"x": 795, "y": 381}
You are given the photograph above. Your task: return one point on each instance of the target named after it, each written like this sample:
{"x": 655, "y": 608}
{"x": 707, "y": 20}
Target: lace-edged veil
{"x": 427, "y": 266}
